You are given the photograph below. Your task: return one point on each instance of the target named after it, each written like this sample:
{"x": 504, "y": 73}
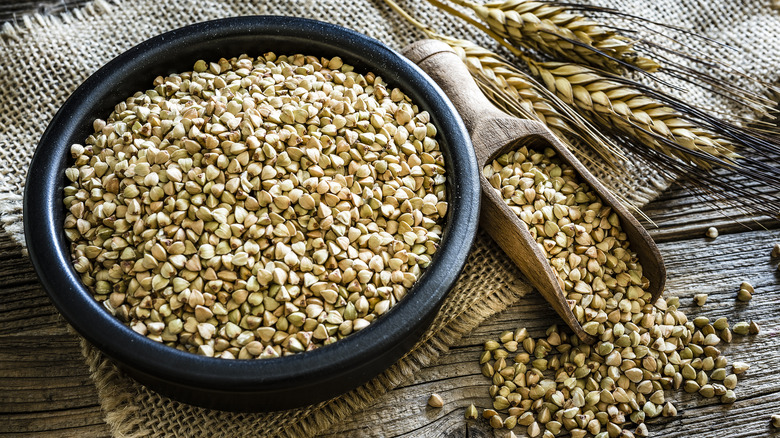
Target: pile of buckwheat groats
{"x": 256, "y": 207}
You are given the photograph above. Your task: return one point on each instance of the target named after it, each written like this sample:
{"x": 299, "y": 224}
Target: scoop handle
{"x": 492, "y": 131}
{"x": 445, "y": 67}
{"x": 490, "y": 128}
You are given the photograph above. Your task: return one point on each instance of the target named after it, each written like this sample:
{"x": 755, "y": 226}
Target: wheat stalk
{"x": 680, "y": 140}
{"x": 614, "y": 104}
{"x": 677, "y": 139}
{"x": 518, "y": 93}
{"x": 627, "y": 107}
{"x": 559, "y": 33}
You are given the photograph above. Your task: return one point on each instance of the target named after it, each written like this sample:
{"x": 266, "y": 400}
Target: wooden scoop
{"x": 493, "y": 133}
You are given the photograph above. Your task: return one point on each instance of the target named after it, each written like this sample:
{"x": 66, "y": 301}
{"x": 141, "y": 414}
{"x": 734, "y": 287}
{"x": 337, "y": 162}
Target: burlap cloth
{"x": 43, "y": 59}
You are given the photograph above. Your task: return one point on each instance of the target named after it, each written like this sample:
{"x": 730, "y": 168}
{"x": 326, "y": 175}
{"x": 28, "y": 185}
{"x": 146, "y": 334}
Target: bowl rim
{"x": 49, "y": 251}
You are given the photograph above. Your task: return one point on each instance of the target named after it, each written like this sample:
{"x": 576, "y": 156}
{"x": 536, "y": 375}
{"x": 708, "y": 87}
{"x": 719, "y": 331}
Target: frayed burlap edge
{"x": 119, "y": 394}
{"x": 11, "y": 209}
{"x": 11, "y": 203}
{"x": 12, "y": 30}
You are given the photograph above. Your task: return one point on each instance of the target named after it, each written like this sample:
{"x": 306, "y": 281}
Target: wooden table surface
{"x": 46, "y": 391}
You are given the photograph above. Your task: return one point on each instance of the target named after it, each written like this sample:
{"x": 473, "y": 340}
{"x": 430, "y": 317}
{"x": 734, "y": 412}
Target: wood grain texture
{"x": 493, "y": 133}
{"x": 678, "y": 214}
{"x": 45, "y": 388}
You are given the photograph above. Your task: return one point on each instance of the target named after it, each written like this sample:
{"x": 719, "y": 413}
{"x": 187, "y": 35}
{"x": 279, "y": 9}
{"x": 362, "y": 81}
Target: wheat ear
{"x": 611, "y": 102}
{"x": 685, "y": 141}
{"x": 560, "y": 33}
{"x": 676, "y": 138}
{"x": 517, "y": 93}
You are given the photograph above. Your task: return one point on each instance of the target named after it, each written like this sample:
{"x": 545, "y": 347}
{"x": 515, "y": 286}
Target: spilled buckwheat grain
{"x": 555, "y": 384}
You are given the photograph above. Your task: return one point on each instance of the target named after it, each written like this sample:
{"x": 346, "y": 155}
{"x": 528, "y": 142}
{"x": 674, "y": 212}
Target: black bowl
{"x": 245, "y": 385}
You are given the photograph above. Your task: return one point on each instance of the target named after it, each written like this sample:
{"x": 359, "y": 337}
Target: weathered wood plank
{"x": 47, "y": 395}
{"x": 86, "y": 422}
{"x": 24, "y": 306}
{"x": 680, "y": 214}
{"x": 35, "y": 382}
{"x": 45, "y": 388}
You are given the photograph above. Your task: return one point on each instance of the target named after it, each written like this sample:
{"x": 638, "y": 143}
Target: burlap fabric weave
{"x": 43, "y": 59}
